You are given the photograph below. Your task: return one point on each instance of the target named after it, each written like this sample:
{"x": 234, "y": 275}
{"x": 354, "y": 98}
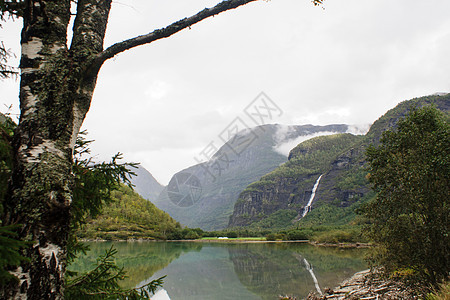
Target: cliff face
{"x": 145, "y": 184}
{"x": 285, "y": 192}
{"x": 204, "y": 195}
{"x": 289, "y": 187}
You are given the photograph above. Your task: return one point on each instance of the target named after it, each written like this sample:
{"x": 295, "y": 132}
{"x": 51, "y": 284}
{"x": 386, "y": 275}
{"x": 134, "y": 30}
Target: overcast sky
{"x": 163, "y": 103}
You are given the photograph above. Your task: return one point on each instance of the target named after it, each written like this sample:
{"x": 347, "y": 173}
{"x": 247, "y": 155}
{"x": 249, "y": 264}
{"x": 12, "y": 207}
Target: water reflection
{"x": 232, "y": 271}
{"x": 270, "y": 270}
{"x": 139, "y": 259}
{"x": 309, "y": 268}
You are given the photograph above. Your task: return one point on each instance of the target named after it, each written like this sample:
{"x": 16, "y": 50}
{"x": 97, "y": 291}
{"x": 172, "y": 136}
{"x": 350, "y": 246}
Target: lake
{"x": 230, "y": 270}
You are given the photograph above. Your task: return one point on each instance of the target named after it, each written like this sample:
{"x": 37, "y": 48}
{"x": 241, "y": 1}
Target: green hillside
{"x": 127, "y": 216}
{"x": 242, "y": 160}
{"x": 130, "y": 216}
{"x": 277, "y": 200}
{"x": 282, "y": 194}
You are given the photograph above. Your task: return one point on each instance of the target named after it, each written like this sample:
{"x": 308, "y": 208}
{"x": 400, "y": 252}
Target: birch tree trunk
{"x": 55, "y": 94}
{"x": 56, "y": 88}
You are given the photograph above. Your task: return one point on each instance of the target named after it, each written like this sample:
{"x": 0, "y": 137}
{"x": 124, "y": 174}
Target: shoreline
{"x": 366, "y": 284}
{"x": 242, "y": 240}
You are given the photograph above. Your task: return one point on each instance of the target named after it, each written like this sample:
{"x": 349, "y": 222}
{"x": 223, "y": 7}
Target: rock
{"x": 367, "y": 284}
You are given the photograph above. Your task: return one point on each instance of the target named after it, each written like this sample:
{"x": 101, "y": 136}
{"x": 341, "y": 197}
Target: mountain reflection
{"x": 271, "y": 270}
{"x": 139, "y": 259}
{"x": 230, "y": 271}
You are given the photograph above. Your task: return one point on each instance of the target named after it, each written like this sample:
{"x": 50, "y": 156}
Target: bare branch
{"x": 167, "y": 31}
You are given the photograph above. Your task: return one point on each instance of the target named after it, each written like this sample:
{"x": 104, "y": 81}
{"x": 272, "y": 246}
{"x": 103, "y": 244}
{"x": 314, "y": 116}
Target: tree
{"x": 56, "y": 87}
{"x": 103, "y": 282}
{"x": 6, "y": 71}
{"x": 410, "y": 170}
{"x": 93, "y": 187}
{"x": 9, "y": 244}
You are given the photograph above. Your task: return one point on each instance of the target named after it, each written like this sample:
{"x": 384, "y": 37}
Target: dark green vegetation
{"x": 102, "y": 201}
{"x": 102, "y": 282}
{"x": 129, "y": 216}
{"x": 238, "y": 163}
{"x": 409, "y": 219}
{"x": 259, "y": 206}
{"x": 9, "y": 244}
{"x": 58, "y": 77}
{"x": 6, "y": 134}
{"x": 140, "y": 260}
{"x": 276, "y": 201}
{"x": 95, "y": 185}
{"x": 10, "y": 247}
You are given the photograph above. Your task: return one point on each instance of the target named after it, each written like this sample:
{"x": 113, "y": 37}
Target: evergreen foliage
{"x": 93, "y": 185}
{"x": 9, "y": 251}
{"x": 6, "y": 132}
{"x": 409, "y": 218}
{"x": 95, "y": 182}
{"x": 9, "y": 244}
{"x": 93, "y": 189}
{"x": 103, "y": 282}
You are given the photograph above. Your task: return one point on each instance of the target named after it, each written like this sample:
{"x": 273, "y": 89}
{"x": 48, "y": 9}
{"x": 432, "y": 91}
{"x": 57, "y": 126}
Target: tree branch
{"x": 167, "y": 31}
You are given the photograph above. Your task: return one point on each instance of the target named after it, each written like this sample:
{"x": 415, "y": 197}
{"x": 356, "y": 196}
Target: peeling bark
{"x": 56, "y": 90}
{"x": 40, "y": 191}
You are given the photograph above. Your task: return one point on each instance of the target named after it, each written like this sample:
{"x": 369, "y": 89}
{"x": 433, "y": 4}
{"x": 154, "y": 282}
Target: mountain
{"x": 145, "y": 184}
{"x": 328, "y": 170}
{"x": 204, "y": 195}
{"x": 287, "y": 189}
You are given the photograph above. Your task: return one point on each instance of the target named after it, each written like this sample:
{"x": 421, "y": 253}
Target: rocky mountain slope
{"x": 284, "y": 193}
{"x": 145, "y": 184}
{"x": 204, "y": 195}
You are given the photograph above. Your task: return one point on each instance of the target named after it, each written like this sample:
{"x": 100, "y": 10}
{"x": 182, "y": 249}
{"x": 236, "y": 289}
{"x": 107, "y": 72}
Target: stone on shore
{"x": 367, "y": 285}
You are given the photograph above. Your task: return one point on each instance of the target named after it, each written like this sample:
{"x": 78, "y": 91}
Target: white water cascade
{"x": 313, "y": 194}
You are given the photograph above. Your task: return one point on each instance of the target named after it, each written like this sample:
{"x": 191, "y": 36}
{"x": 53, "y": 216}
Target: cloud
{"x": 359, "y": 129}
{"x": 348, "y": 64}
{"x": 284, "y": 145}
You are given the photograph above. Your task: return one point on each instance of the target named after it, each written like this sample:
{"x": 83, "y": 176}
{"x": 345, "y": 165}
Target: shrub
{"x": 336, "y": 236}
{"x": 271, "y": 237}
{"x": 296, "y": 235}
{"x": 232, "y": 234}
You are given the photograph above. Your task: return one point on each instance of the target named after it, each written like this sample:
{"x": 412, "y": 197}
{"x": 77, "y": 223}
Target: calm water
{"x": 230, "y": 271}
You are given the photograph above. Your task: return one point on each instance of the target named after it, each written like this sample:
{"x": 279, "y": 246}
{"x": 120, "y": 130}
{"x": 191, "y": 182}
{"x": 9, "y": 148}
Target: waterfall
{"x": 313, "y": 194}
